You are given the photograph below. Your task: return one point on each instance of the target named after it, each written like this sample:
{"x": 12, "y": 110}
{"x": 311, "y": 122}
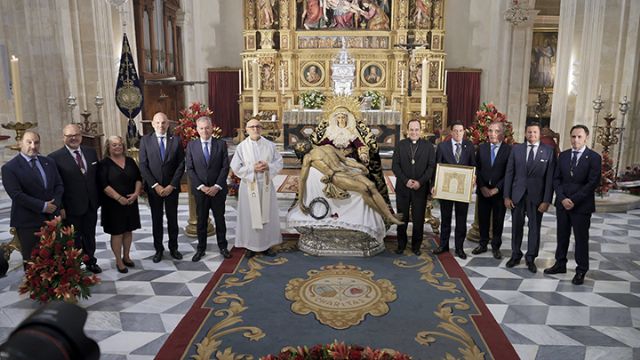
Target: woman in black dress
{"x": 120, "y": 179}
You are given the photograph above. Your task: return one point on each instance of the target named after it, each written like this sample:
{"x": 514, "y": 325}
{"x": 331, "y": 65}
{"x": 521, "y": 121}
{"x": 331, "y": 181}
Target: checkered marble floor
{"x": 545, "y": 317}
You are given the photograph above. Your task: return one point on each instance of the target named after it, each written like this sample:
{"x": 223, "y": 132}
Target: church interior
{"x": 110, "y": 65}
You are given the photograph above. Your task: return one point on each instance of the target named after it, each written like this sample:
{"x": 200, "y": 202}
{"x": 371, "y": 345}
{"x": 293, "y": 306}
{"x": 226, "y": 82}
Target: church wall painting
{"x": 343, "y": 14}
{"x": 372, "y": 74}
{"x": 543, "y": 58}
{"x": 312, "y": 74}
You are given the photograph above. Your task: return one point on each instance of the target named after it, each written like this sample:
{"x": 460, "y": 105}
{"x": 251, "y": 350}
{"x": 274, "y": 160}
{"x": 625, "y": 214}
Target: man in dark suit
{"x": 456, "y": 152}
{"x": 162, "y": 166}
{"x": 35, "y": 188}
{"x": 491, "y": 162}
{"x": 528, "y": 189}
{"x": 207, "y": 164}
{"x": 78, "y": 166}
{"x": 576, "y": 178}
{"x": 413, "y": 163}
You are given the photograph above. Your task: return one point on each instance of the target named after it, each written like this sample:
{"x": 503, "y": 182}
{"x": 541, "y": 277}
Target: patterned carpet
{"x": 544, "y": 317}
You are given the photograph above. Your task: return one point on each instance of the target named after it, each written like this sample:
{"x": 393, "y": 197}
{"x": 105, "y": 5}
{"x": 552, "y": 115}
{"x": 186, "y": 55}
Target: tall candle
{"x": 445, "y": 81}
{"x": 423, "y": 98}
{"x": 256, "y": 86}
{"x": 239, "y": 81}
{"x": 282, "y": 80}
{"x": 600, "y": 91}
{"x": 15, "y": 83}
{"x": 402, "y": 82}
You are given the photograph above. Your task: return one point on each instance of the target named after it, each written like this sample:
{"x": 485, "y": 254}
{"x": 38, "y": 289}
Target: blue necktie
{"x": 531, "y": 156}
{"x": 35, "y": 169}
{"x": 162, "y": 148}
{"x": 207, "y": 155}
{"x": 493, "y": 154}
{"x": 574, "y": 161}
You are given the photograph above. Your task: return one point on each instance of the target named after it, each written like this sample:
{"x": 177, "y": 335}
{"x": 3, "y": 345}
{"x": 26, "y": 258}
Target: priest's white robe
{"x": 242, "y": 165}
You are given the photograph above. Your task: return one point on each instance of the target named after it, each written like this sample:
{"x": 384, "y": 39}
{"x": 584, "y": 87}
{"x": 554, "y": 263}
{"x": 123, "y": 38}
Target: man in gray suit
{"x": 528, "y": 189}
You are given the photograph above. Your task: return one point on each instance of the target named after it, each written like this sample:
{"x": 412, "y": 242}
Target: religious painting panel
{"x": 343, "y": 14}
{"x": 312, "y": 74}
{"x": 543, "y": 58}
{"x": 335, "y": 42}
{"x": 372, "y": 74}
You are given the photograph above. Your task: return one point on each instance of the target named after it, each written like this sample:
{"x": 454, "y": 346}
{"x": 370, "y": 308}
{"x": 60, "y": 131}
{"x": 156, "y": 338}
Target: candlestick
{"x": 15, "y": 85}
{"x": 256, "y": 86}
{"x": 423, "y": 98}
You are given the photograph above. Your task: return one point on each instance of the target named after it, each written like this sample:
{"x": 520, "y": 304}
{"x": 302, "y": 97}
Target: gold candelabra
{"x": 19, "y": 128}
{"x": 608, "y": 135}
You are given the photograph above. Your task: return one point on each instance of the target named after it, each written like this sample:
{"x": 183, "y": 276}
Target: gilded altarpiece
{"x": 291, "y": 45}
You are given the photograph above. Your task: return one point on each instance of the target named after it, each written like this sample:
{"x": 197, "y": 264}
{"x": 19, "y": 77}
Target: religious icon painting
{"x": 543, "y": 58}
{"x": 372, "y": 74}
{"x": 312, "y": 74}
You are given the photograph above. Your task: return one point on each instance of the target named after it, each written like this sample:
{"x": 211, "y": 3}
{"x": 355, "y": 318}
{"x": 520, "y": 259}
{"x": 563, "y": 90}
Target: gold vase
{"x": 191, "y": 230}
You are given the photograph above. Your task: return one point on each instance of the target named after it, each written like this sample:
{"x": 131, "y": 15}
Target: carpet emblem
{"x": 340, "y": 295}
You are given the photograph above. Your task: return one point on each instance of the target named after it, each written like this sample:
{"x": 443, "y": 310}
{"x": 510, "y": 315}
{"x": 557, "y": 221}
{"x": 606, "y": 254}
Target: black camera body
{"x": 55, "y": 331}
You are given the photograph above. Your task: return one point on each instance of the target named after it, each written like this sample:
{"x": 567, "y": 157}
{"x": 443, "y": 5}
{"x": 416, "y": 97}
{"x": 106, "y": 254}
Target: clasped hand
{"x": 413, "y": 184}
{"x": 261, "y": 166}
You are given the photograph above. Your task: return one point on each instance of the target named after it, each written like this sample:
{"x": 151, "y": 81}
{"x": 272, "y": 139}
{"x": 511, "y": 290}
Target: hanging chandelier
{"x": 516, "y": 14}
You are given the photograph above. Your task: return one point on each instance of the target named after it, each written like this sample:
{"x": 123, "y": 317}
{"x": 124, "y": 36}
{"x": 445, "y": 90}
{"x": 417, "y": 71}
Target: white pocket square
{"x": 543, "y": 160}
{"x": 94, "y": 163}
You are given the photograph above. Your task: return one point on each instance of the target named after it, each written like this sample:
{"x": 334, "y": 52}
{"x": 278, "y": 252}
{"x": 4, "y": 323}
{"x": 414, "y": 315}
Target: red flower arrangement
{"x": 488, "y": 113}
{"x": 186, "y": 128}
{"x": 607, "y": 178}
{"x": 336, "y": 351}
{"x": 233, "y": 184}
{"x": 54, "y": 272}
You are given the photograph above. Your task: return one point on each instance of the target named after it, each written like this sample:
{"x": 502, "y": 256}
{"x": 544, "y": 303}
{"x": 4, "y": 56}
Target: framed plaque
{"x": 454, "y": 182}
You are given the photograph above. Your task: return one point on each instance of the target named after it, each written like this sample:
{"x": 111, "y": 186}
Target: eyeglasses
{"x": 254, "y": 127}
{"x": 72, "y": 135}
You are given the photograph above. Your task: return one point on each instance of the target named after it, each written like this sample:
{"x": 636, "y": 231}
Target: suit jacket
{"x": 154, "y": 169}
{"x": 27, "y": 192}
{"x": 581, "y": 185}
{"x": 444, "y": 154}
{"x": 422, "y": 170}
{"x": 81, "y": 190}
{"x": 536, "y": 181}
{"x": 491, "y": 176}
{"x": 202, "y": 174}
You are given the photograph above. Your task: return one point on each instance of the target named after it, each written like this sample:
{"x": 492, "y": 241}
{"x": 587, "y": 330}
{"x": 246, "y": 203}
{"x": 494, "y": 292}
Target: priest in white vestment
{"x": 257, "y": 162}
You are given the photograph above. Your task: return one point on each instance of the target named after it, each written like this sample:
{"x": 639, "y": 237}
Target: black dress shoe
{"x": 496, "y": 254}
{"x": 460, "y": 253}
{"x": 197, "y": 256}
{"x": 513, "y": 262}
{"x": 399, "y": 251}
{"x": 578, "y": 279}
{"x": 157, "y": 257}
{"x": 269, "y": 253}
{"x": 176, "y": 254}
{"x": 479, "y": 250}
{"x": 250, "y": 253}
{"x": 417, "y": 252}
{"x": 440, "y": 249}
{"x": 124, "y": 270}
{"x": 225, "y": 253}
{"x": 556, "y": 269}
{"x": 94, "y": 268}
{"x": 532, "y": 266}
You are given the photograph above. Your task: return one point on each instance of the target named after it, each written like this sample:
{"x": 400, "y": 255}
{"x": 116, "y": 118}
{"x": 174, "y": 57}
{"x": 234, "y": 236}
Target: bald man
{"x": 162, "y": 167}
{"x": 78, "y": 166}
{"x": 34, "y": 186}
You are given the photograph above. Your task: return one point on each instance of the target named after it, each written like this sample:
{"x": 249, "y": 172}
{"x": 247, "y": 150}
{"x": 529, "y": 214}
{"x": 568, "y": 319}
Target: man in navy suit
{"x": 576, "y": 178}
{"x": 457, "y": 152}
{"x": 491, "y": 162}
{"x": 414, "y": 160}
{"x": 78, "y": 166}
{"x": 162, "y": 166}
{"x": 528, "y": 189}
{"x": 35, "y": 188}
{"x": 207, "y": 165}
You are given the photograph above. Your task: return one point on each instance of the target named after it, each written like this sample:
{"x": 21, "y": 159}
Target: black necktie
{"x": 531, "y": 155}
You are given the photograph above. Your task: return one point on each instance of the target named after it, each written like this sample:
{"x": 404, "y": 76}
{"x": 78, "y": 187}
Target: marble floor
{"x": 545, "y": 317}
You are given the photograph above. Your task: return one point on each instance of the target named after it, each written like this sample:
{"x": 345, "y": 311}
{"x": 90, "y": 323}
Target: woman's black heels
{"x": 128, "y": 263}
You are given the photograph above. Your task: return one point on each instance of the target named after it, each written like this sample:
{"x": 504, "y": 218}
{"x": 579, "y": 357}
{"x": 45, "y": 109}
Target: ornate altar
{"x": 290, "y": 47}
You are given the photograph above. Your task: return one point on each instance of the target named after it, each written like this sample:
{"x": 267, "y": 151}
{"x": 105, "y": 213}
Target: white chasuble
{"x": 258, "y": 217}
